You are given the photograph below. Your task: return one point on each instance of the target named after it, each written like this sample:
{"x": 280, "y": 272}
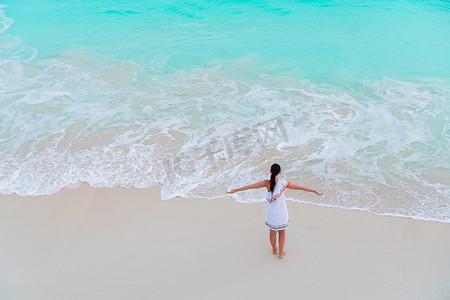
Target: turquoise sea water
{"x": 136, "y": 93}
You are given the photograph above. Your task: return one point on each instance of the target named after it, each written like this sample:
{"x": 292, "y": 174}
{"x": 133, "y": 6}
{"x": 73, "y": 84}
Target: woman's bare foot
{"x": 282, "y": 255}
{"x": 275, "y": 251}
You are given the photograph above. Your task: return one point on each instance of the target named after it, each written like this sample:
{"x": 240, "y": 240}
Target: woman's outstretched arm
{"x": 297, "y": 187}
{"x": 251, "y": 186}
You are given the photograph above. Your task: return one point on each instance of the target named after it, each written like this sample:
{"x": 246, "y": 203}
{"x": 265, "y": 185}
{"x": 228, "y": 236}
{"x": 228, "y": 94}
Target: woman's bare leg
{"x": 273, "y": 241}
{"x": 281, "y": 240}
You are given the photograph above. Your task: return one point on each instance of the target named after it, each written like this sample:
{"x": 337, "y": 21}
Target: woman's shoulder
{"x": 266, "y": 184}
{"x": 284, "y": 182}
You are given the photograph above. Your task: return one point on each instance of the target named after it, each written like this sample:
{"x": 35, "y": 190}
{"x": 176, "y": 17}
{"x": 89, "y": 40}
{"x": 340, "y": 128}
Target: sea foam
{"x": 377, "y": 145}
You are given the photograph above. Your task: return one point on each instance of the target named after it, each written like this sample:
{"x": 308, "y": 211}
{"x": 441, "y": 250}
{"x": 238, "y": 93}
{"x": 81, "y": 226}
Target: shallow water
{"x": 351, "y": 98}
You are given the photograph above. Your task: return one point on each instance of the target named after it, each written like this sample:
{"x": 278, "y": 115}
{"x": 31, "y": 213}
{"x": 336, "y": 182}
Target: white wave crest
{"x": 5, "y": 22}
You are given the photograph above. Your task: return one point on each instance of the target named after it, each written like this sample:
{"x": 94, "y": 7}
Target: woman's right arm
{"x": 251, "y": 186}
{"x": 297, "y": 187}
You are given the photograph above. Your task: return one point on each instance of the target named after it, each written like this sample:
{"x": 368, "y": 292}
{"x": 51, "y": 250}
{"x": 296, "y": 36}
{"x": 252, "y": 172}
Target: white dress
{"x": 277, "y": 217}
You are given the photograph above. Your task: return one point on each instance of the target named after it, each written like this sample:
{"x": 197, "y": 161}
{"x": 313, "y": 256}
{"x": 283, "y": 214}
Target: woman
{"x": 277, "y": 218}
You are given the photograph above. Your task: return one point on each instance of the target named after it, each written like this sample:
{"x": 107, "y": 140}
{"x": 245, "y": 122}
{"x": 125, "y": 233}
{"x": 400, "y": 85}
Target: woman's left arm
{"x": 297, "y": 187}
{"x": 247, "y": 187}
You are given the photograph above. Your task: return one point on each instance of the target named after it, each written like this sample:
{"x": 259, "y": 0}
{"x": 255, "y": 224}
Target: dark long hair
{"x": 274, "y": 170}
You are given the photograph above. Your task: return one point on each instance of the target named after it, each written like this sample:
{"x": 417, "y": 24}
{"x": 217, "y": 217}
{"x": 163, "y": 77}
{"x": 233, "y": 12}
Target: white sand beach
{"x": 118, "y": 243}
